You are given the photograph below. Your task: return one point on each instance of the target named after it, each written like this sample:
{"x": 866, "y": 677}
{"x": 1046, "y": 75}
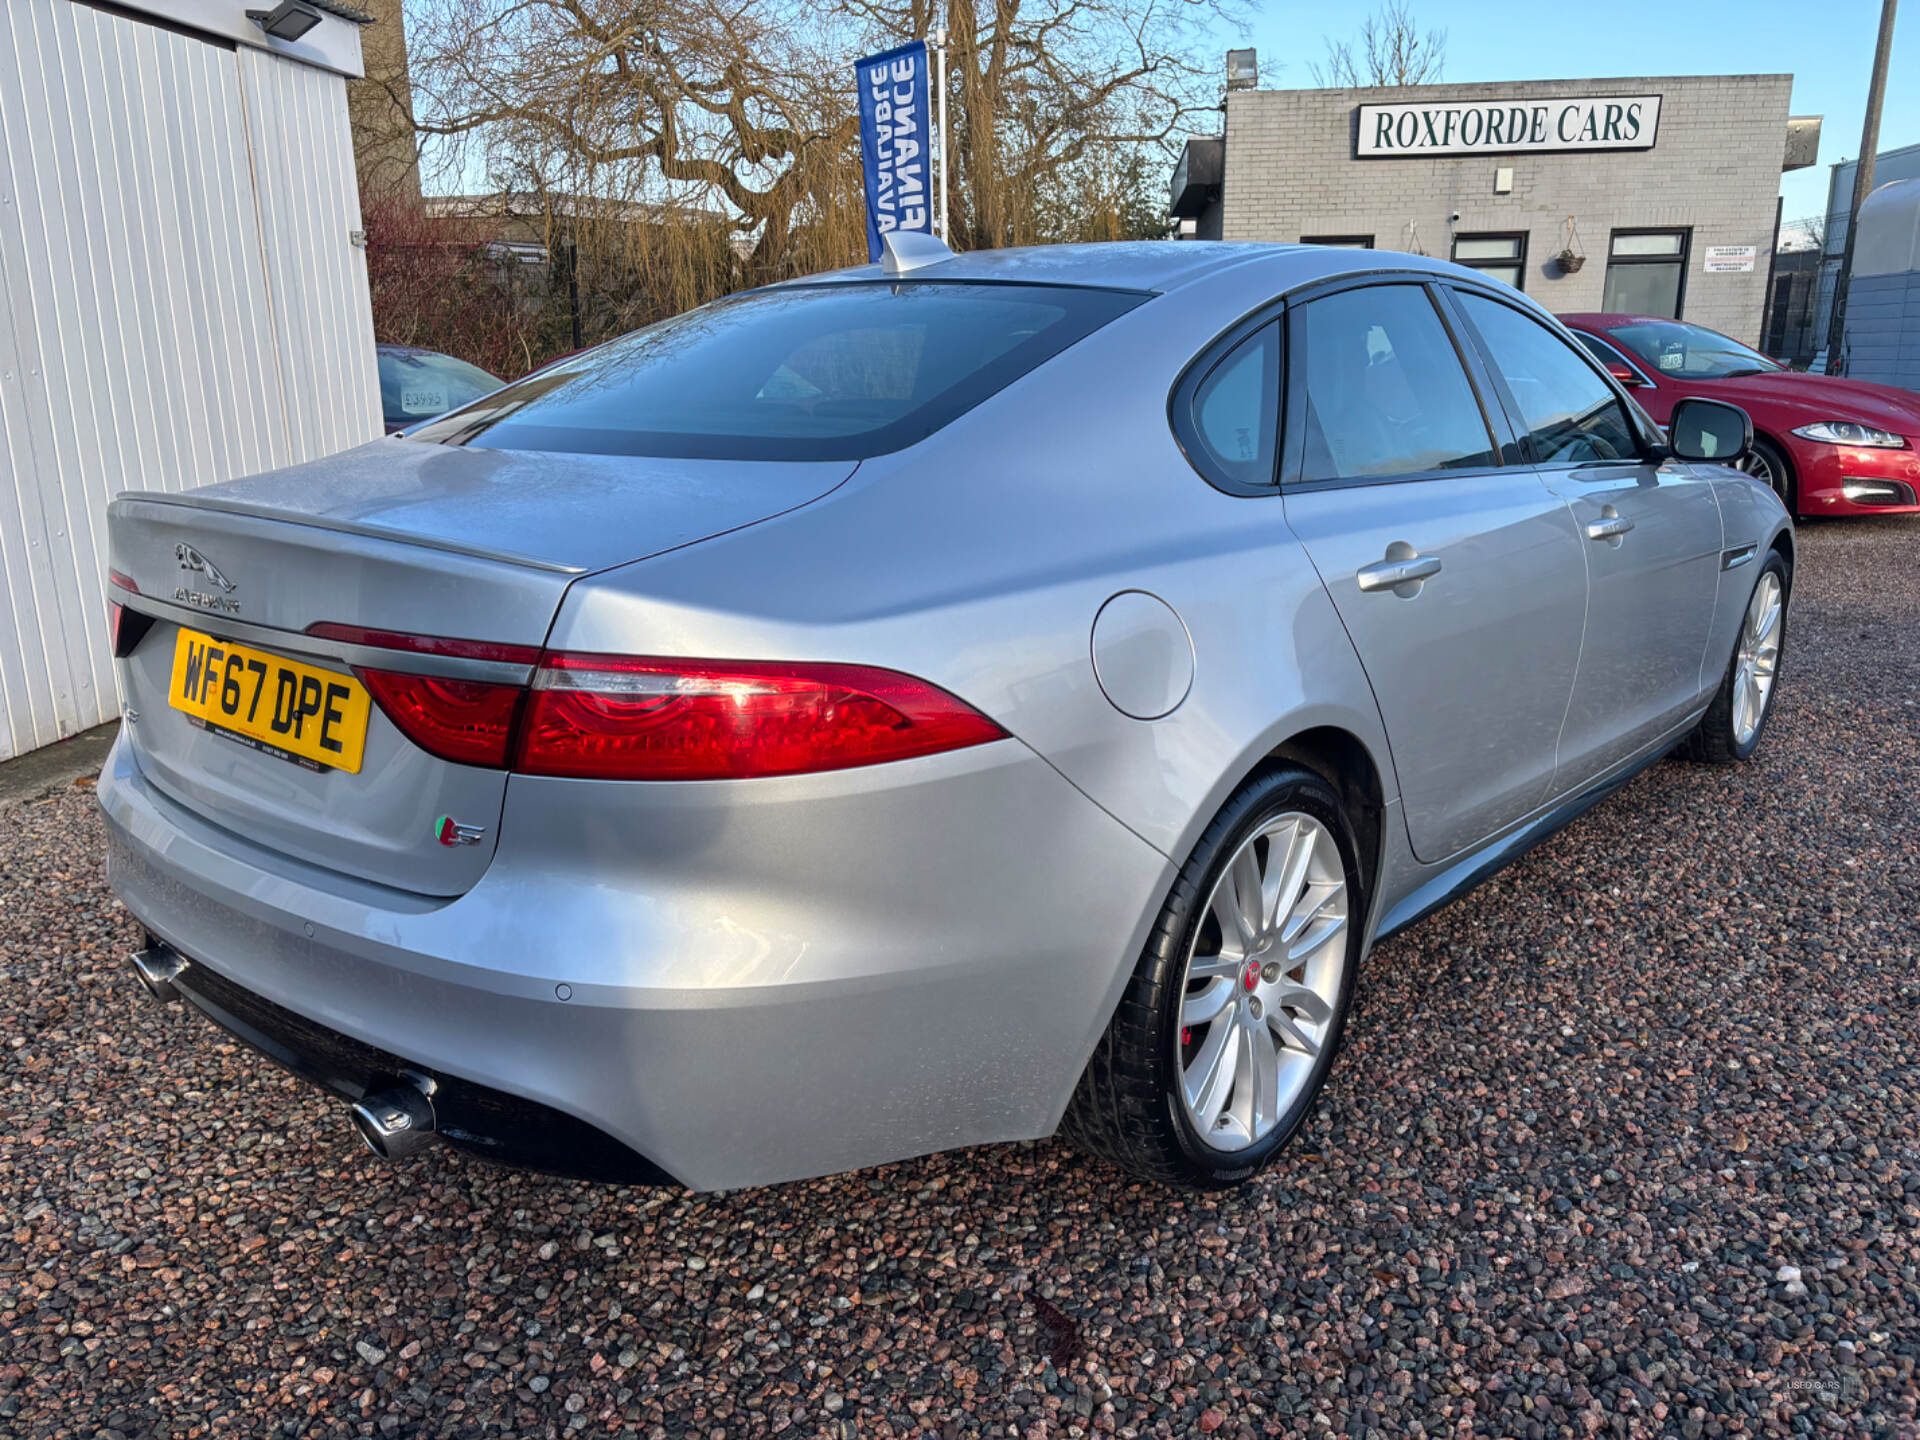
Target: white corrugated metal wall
{"x": 180, "y": 302}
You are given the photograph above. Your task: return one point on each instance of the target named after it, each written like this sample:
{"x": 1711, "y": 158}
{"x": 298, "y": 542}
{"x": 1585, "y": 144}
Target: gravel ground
{"x": 1626, "y": 1143}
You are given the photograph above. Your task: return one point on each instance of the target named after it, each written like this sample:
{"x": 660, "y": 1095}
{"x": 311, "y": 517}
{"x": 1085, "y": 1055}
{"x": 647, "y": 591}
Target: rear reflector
{"x": 619, "y": 717}
{"x": 462, "y": 720}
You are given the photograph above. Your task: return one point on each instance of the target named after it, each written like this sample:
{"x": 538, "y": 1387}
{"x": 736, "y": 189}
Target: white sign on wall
{"x": 1730, "y": 259}
{"x": 1505, "y": 127}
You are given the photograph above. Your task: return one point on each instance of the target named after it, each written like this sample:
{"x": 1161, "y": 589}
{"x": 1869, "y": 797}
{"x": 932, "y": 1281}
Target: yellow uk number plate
{"x": 313, "y": 717}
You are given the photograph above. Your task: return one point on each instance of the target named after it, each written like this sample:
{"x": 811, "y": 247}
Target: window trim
{"x": 1210, "y": 357}
{"x": 1340, "y": 242}
{"x": 1293, "y": 427}
{"x": 1684, "y": 259}
{"x": 1511, "y": 405}
{"x": 1519, "y": 259}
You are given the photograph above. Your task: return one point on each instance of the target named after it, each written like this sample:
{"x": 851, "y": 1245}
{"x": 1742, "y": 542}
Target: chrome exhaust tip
{"x": 398, "y": 1122}
{"x": 156, "y": 968}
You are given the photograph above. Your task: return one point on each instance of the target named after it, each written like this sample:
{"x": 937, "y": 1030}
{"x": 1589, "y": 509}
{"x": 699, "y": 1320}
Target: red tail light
{"x": 463, "y": 720}
{"x": 618, "y": 717}
{"x": 468, "y": 721}
{"x": 124, "y": 626}
{"x": 625, "y": 717}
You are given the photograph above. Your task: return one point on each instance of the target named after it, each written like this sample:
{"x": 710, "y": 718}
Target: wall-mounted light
{"x": 1243, "y": 69}
{"x": 288, "y": 20}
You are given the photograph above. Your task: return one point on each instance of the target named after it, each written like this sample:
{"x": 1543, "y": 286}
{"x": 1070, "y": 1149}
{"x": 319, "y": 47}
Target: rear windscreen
{"x": 810, "y": 372}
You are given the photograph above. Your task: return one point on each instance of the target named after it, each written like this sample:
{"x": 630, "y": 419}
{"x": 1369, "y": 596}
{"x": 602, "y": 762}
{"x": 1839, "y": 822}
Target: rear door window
{"x": 803, "y": 372}
{"x": 1385, "y": 394}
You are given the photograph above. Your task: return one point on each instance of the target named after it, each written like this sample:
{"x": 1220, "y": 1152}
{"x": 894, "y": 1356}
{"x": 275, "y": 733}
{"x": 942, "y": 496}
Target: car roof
{"x": 1151, "y": 265}
{"x": 1609, "y": 320}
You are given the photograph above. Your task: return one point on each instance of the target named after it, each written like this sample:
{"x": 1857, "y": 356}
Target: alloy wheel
{"x": 1760, "y": 465}
{"x": 1262, "y": 981}
{"x": 1757, "y": 658}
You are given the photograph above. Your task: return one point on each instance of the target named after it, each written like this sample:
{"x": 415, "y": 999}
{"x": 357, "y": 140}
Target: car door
{"x": 1651, "y": 534}
{"x": 1458, "y": 575}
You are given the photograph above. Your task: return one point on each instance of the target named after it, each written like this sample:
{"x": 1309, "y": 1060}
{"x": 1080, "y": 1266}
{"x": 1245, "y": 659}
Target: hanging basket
{"x": 1570, "y": 261}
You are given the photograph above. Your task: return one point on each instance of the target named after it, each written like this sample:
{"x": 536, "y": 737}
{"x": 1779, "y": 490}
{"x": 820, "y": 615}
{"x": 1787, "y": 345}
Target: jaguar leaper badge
{"x": 194, "y": 562}
{"x": 449, "y": 831}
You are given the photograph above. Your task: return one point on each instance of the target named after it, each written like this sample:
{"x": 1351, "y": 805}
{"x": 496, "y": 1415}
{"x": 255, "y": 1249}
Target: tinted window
{"x": 1571, "y": 414}
{"x": 1234, "y": 410}
{"x": 1385, "y": 394}
{"x": 417, "y": 384}
{"x": 1688, "y": 352}
{"x": 821, "y": 372}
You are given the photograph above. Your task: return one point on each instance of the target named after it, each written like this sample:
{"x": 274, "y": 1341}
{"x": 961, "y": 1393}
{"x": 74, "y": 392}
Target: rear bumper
{"x": 501, "y": 1128}
{"x": 1838, "y": 480}
{"x": 762, "y": 980}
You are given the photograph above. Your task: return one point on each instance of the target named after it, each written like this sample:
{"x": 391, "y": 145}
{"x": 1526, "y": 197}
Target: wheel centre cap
{"x": 1250, "y": 974}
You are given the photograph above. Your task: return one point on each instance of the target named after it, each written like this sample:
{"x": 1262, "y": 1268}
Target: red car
{"x": 1829, "y": 446}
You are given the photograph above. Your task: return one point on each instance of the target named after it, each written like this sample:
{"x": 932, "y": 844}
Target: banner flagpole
{"x": 940, "y": 73}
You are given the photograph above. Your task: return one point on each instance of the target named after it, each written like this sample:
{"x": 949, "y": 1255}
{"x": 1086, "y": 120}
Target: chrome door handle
{"x": 1611, "y": 527}
{"x": 1392, "y": 574}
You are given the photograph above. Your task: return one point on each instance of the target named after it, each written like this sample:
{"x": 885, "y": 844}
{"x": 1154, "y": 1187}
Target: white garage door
{"x": 180, "y": 302}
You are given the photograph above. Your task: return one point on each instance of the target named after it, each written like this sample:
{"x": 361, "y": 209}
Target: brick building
{"x": 1652, "y": 194}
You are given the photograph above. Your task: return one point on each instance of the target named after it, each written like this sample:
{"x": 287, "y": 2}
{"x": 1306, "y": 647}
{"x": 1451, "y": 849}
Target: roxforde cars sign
{"x": 1471, "y": 127}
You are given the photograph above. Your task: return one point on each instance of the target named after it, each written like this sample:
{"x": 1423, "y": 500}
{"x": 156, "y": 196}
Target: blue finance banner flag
{"x": 896, "y": 142}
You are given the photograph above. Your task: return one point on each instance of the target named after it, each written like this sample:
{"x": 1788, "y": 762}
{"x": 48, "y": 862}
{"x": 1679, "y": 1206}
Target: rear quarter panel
{"x": 980, "y": 557}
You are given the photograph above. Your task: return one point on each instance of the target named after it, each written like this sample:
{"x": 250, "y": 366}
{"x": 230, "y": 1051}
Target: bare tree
{"x": 745, "y": 108}
{"x": 1814, "y": 228}
{"x": 718, "y": 105}
{"x": 1391, "y": 50}
{"x": 1053, "y": 98}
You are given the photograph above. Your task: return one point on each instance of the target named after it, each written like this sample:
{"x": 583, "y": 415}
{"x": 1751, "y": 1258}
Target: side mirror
{"x": 1709, "y": 430}
{"x": 1626, "y": 374}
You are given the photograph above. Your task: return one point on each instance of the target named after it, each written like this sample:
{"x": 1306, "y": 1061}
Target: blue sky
{"x": 1827, "y": 46}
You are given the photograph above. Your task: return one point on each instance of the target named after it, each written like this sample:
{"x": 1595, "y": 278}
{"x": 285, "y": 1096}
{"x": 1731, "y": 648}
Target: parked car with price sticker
{"x": 418, "y": 384}
{"x": 919, "y": 706}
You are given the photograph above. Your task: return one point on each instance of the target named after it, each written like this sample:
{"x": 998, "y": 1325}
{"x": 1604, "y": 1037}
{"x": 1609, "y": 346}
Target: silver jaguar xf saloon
{"x": 930, "y": 704}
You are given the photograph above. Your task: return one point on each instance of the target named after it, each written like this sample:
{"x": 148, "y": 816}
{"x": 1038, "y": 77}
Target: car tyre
{"x": 1767, "y": 462}
{"x": 1131, "y": 1107}
{"x": 1731, "y": 729}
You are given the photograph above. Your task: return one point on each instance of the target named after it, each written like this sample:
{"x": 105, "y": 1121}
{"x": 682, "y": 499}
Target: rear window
{"x": 809, "y": 372}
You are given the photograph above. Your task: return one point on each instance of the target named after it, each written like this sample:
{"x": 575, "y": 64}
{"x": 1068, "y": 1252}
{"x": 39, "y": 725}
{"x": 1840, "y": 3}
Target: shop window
{"x": 1503, "y": 256}
{"x": 1340, "y": 242}
{"x": 1647, "y": 272}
